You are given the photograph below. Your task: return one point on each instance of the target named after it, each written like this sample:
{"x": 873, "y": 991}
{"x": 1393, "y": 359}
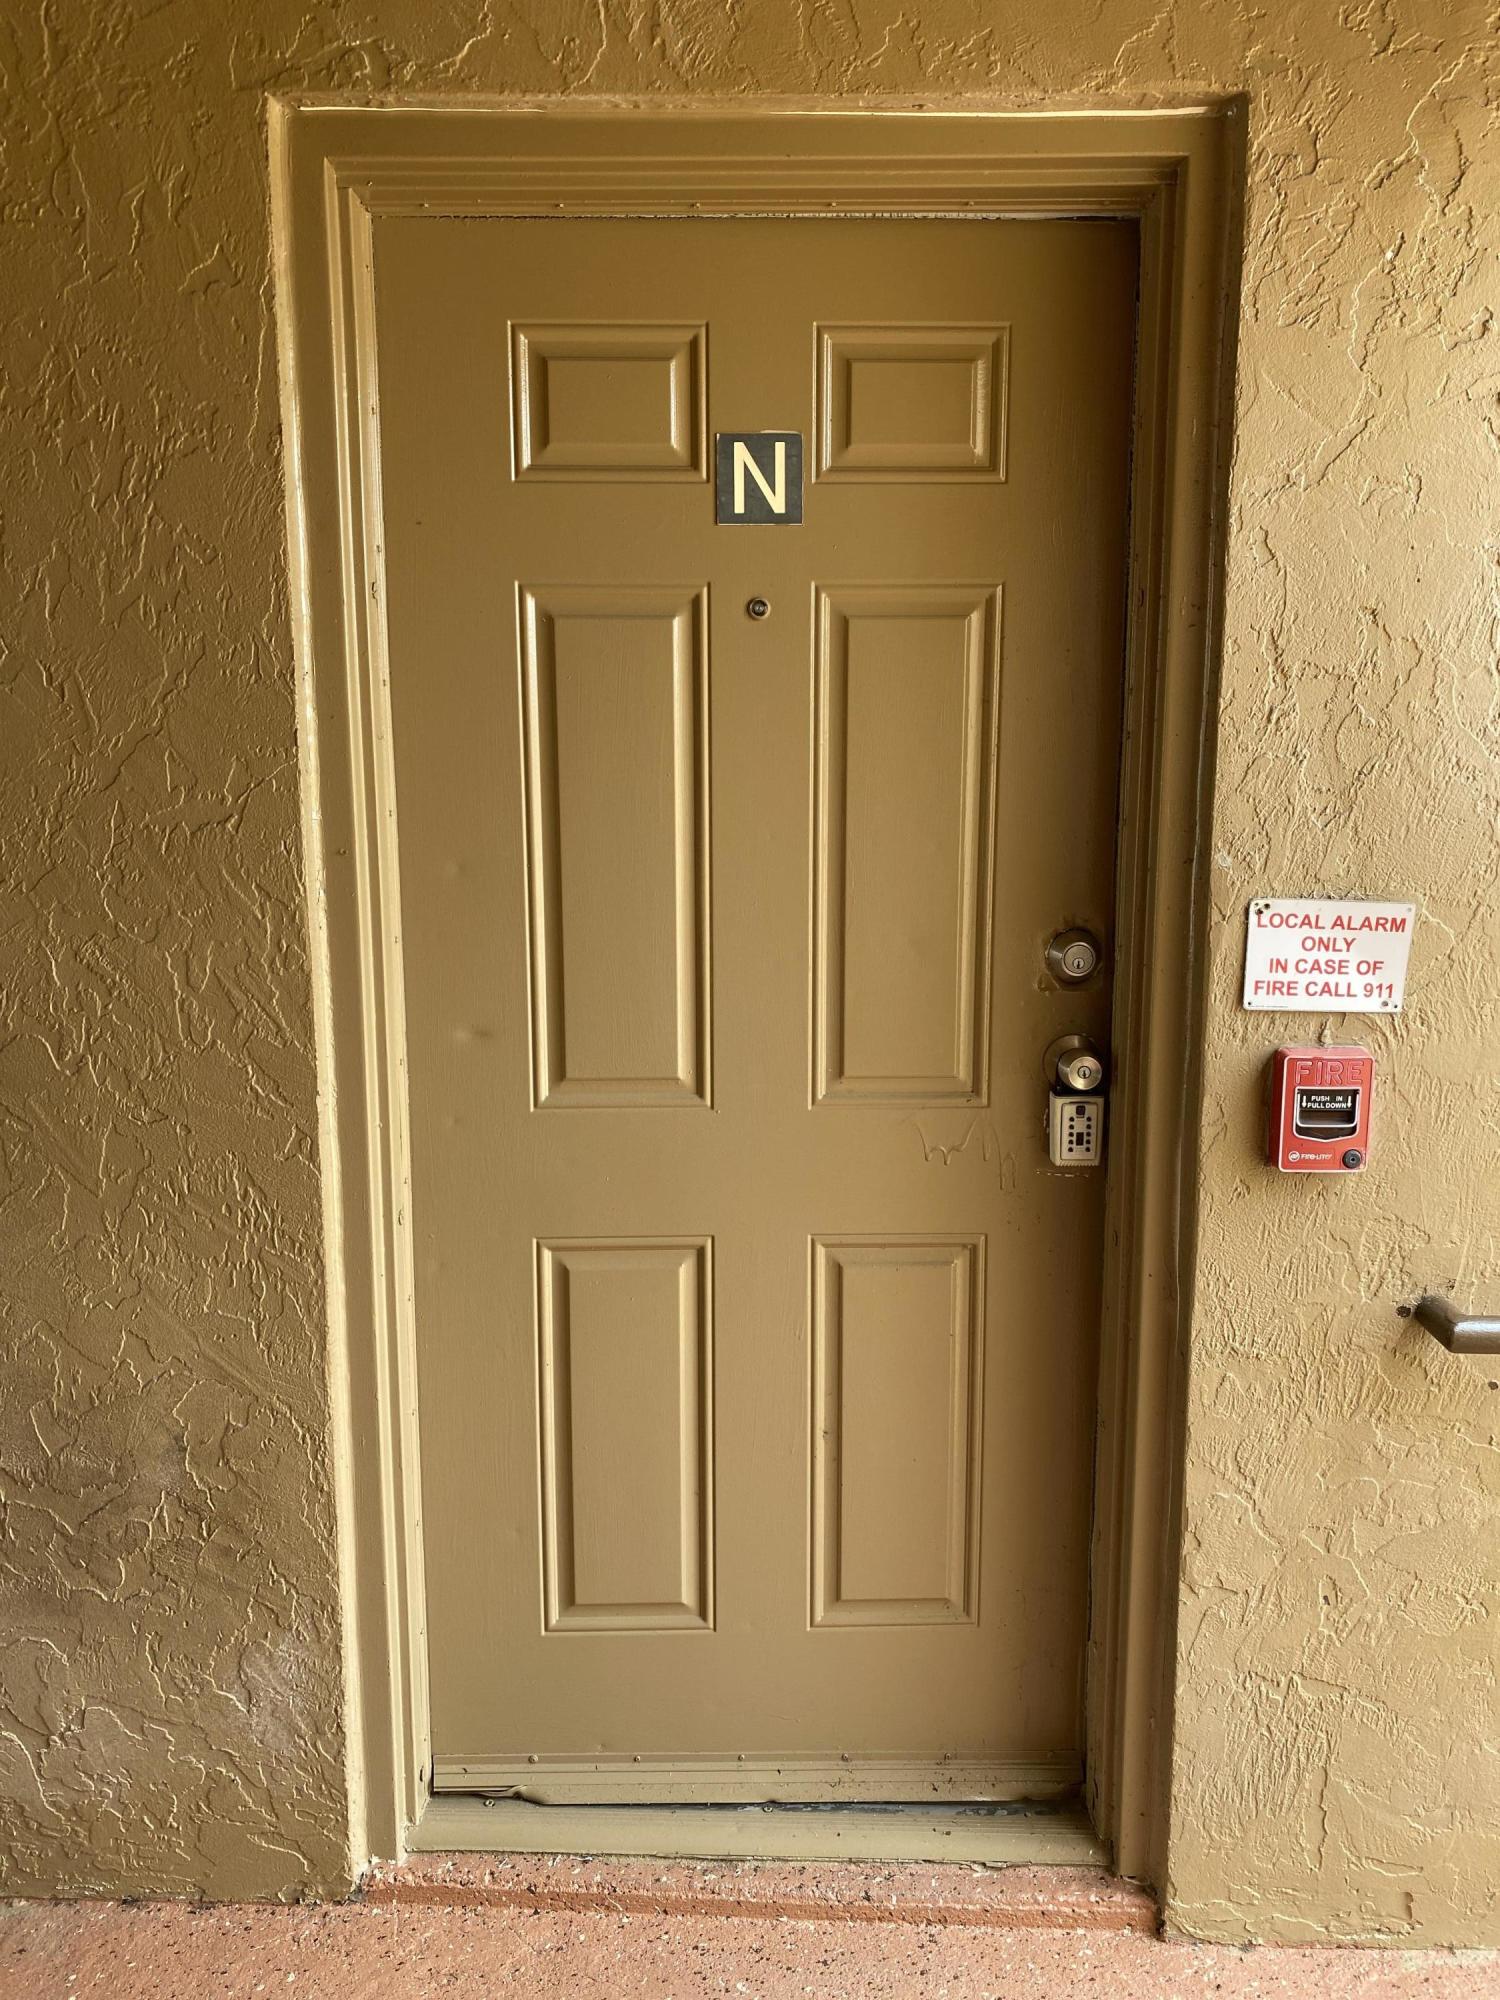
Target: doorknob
{"x": 1073, "y": 1062}
{"x": 1074, "y": 1070}
{"x": 1460, "y": 1333}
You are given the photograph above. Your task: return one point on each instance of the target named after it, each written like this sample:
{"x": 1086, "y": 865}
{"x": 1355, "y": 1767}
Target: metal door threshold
{"x": 999, "y": 1835}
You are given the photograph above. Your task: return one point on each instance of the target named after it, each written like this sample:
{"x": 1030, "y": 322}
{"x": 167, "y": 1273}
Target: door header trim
{"x": 642, "y": 158}
{"x": 335, "y": 167}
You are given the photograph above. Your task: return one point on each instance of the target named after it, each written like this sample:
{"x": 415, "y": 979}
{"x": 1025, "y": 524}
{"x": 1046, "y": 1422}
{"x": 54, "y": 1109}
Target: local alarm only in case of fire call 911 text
{"x": 1324, "y": 956}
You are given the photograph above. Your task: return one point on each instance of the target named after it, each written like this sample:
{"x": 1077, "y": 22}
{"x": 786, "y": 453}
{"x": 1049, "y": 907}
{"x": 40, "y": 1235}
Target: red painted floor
{"x": 613, "y": 1931}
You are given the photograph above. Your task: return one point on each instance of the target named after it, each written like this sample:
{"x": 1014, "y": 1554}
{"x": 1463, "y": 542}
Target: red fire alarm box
{"x": 1320, "y": 1109}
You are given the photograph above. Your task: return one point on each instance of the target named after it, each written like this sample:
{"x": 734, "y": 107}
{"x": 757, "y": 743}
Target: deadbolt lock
{"x": 1073, "y": 956}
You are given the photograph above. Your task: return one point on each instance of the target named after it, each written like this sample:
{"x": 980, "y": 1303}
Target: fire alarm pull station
{"x": 1320, "y": 1109}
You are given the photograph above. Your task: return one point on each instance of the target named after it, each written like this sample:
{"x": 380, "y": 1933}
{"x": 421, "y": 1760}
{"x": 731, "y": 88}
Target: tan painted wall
{"x": 169, "y": 1678}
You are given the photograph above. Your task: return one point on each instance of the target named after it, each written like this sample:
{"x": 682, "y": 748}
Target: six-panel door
{"x": 756, "y": 1336}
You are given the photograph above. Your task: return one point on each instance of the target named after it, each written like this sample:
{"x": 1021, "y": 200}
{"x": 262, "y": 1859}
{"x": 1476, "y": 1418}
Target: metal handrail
{"x": 1459, "y": 1332}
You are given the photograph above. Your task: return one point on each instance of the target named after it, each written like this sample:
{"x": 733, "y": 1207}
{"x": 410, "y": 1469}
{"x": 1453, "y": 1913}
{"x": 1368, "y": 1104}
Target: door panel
{"x": 897, "y": 1346}
{"x": 911, "y": 402}
{"x": 608, "y": 401}
{"x": 615, "y": 686}
{"x": 906, "y": 710}
{"x": 756, "y": 1336}
{"x": 626, "y": 1403}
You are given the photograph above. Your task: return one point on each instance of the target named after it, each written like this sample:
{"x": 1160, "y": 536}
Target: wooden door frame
{"x": 335, "y": 167}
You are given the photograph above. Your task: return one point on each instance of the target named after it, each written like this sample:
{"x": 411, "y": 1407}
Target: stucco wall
{"x": 169, "y": 1673}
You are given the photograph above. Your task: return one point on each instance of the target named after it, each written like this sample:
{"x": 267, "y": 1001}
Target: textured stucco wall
{"x": 169, "y": 1676}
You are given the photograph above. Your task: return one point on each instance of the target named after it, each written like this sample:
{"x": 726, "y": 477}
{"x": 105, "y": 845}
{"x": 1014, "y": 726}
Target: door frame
{"x": 335, "y": 167}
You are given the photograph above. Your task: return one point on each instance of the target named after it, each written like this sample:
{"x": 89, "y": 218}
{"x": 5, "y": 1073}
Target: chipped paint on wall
{"x": 169, "y": 1671}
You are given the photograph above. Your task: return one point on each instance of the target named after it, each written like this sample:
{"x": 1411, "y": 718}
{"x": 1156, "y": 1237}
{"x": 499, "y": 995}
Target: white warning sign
{"x": 1312, "y": 956}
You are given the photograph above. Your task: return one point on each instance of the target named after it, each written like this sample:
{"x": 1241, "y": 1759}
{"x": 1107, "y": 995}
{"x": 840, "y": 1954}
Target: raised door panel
{"x": 601, "y": 401}
{"x": 906, "y": 737}
{"x": 625, "y": 1339}
{"x": 615, "y": 697}
{"x": 912, "y": 402}
{"x": 897, "y": 1355}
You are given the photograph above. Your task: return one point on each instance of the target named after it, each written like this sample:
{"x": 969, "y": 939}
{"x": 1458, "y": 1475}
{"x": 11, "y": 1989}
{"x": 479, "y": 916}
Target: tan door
{"x": 756, "y": 1335}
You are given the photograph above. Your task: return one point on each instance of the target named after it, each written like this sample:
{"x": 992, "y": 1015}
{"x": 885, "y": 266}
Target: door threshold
{"x": 994, "y": 1835}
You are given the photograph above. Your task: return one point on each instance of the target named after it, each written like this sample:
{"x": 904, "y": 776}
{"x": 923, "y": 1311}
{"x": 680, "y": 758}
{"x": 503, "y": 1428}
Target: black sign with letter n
{"x": 759, "y": 475}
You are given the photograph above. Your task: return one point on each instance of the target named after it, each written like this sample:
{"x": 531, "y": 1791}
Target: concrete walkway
{"x": 617, "y": 1930}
